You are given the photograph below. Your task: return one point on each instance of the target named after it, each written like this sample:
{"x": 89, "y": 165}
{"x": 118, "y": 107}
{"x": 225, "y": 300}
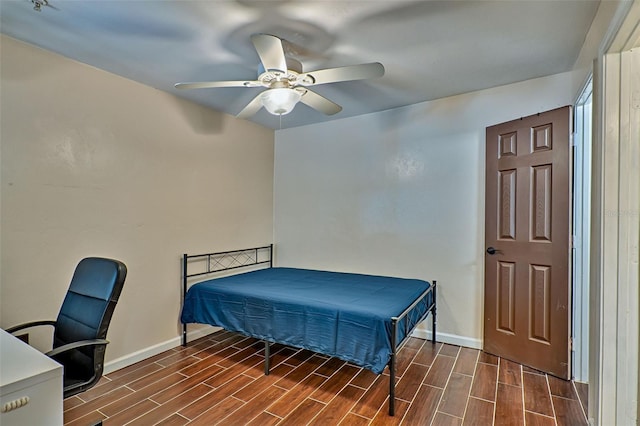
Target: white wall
{"x": 94, "y": 164}
{"x": 401, "y": 192}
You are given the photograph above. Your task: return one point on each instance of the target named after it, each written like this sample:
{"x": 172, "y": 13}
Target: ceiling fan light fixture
{"x": 285, "y": 82}
{"x": 280, "y": 101}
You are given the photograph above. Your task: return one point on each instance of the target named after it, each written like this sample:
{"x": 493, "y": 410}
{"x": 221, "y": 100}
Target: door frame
{"x": 582, "y": 140}
{"x": 614, "y": 322}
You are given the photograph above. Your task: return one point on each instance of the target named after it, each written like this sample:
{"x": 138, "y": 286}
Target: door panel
{"x": 506, "y": 301}
{"x": 507, "y": 204}
{"x": 527, "y": 281}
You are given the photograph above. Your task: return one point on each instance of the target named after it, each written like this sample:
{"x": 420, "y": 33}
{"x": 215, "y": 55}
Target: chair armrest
{"x": 75, "y": 345}
{"x": 28, "y": 325}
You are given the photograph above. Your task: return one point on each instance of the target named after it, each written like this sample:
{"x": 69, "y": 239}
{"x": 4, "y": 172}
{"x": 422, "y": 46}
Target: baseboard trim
{"x": 145, "y": 353}
{"x": 452, "y": 339}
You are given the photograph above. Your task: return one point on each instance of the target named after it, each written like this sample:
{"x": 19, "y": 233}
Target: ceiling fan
{"x": 286, "y": 83}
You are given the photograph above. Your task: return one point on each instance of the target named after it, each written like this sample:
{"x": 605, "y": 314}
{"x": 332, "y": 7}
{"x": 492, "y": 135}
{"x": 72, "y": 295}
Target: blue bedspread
{"x": 338, "y": 314}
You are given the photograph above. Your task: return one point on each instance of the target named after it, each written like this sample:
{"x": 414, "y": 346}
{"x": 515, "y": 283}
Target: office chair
{"x": 80, "y": 330}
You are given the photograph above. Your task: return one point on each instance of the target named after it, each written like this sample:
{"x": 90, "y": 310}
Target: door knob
{"x": 492, "y": 251}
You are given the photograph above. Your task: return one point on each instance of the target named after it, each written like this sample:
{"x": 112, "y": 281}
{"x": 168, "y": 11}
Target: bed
{"x": 362, "y": 319}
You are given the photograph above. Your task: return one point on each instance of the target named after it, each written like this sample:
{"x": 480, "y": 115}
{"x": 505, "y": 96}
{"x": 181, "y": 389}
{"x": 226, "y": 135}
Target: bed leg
{"x": 267, "y": 356}
{"x": 392, "y": 367}
{"x": 184, "y": 294}
{"x": 433, "y": 318}
{"x": 392, "y": 385}
{"x": 433, "y": 314}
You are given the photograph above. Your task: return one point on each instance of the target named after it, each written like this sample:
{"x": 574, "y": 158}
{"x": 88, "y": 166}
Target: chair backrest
{"x": 85, "y": 314}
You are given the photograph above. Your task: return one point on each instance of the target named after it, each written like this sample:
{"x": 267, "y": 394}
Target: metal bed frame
{"x": 246, "y": 258}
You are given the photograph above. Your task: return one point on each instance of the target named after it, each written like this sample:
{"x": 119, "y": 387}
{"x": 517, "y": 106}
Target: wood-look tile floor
{"x": 220, "y": 379}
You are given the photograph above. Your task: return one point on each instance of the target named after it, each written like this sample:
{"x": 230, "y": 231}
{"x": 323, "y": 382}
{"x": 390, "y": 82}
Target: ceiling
{"x": 430, "y": 49}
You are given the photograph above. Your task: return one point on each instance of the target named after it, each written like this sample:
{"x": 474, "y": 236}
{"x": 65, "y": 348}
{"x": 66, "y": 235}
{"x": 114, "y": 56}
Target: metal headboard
{"x": 223, "y": 261}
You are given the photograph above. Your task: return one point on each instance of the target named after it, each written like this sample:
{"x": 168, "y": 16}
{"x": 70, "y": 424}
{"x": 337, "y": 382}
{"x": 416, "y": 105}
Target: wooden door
{"x": 528, "y": 209}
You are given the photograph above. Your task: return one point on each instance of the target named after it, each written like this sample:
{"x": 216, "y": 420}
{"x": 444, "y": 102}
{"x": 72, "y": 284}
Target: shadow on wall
{"x": 203, "y": 121}
{"x": 31, "y": 69}
{"x": 462, "y": 113}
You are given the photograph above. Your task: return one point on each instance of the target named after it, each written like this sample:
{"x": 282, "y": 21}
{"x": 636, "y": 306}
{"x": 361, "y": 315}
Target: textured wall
{"x": 401, "y": 192}
{"x": 97, "y": 165}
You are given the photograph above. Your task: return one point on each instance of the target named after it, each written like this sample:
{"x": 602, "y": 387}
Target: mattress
{"x": 338, "y": 314}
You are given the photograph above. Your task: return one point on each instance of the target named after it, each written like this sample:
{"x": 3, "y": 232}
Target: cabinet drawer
{"x": 44, "y": 406}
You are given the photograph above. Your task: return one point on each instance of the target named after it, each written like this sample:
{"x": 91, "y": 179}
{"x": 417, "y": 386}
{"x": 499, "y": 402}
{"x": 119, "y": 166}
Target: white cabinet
{"x": 30, "y": 385}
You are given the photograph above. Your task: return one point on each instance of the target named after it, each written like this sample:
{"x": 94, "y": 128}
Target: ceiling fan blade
{"x": 348, "y": 73}
{"x": 320, "y": 103}
{"x": 209, "y": 84}
{"x": 270, "y": 51}
{"x": 251, "y": 108}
